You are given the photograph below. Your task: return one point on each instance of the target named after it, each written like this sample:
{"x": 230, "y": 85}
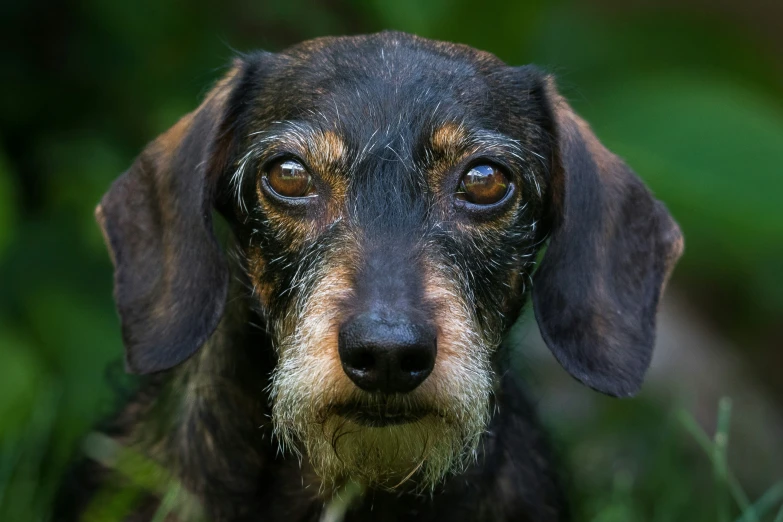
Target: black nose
{"x": 386, "y": 356}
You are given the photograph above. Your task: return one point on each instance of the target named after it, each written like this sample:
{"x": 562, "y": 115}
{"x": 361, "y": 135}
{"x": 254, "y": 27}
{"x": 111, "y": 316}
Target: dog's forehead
{"x": 386, "y": 80}
{"x": 390, "y": 55}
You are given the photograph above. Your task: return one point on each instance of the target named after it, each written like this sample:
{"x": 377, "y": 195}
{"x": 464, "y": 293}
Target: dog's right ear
{"x": 612, "y": 248}
{"x": 170, "y": 277}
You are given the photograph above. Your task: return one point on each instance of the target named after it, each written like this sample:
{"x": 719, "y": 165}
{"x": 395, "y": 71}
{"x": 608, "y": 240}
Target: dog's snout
{"x": 386, "y": 356}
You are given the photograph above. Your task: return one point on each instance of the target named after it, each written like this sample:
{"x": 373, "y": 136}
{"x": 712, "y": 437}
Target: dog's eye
{"x": 289, "y": 178}
{"x": 483, "y": 185}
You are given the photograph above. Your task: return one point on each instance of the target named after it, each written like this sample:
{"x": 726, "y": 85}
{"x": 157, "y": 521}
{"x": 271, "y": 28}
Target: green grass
{"x": 655, "y": 475}
{"x": 624, "y": 471}
{"x": 729, "y": 493}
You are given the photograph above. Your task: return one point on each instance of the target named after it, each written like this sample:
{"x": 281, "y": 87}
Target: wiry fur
{"x": 309, "y": 389}
{"x": 253, "y": 408}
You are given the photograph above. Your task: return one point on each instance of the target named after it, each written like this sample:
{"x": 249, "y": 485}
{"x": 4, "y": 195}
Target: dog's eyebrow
{"x": 323, "y": 149}
{"x": 301, "y": 136}
{"x": 458, "y": 139}
{"x": 455, "y": 141}
{"x": 449, "y": 137}
{"x": 497, "y": 142}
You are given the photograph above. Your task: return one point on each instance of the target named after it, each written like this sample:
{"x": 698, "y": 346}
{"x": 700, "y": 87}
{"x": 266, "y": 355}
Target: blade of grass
{"x": 337, "y": 507}
{"x": 703, "y": 440}
{"x": 719, "y": 460}
{"x": 144, "y": 474}
{"x": 29, "y": 498}
{"x": 112, "y": 504}
{"x": 766, "y": 502}
{"x": 779, "y": 517}
{"x": 168, "y": 504}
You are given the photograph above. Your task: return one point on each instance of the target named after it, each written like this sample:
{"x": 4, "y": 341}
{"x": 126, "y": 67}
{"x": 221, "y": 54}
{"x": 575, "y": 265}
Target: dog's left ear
{"x": 170, "y": 277}
{"x": 612, "y": 247}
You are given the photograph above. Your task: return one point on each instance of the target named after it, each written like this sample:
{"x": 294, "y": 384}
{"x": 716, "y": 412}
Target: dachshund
{"x": 317, "y": 270}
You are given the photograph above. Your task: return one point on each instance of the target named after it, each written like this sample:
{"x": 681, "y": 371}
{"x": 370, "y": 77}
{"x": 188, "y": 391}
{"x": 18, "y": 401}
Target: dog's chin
{"x": 385, "y": 448}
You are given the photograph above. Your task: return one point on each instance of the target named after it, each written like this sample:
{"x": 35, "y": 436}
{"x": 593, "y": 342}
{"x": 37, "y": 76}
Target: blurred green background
{"x": 690, "y": 92}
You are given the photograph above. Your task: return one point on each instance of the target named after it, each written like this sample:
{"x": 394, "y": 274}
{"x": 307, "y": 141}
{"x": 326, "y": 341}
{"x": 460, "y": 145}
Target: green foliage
{"x": 657, "y": 464}
{"x": 7, "y": 205}
{"x": 693, "y": 105}
{"x": 709, "y": 174}
{"x": 690, "y": 100}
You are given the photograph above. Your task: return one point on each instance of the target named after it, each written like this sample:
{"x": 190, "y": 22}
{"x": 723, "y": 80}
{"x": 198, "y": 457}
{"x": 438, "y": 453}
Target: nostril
{"x": 362, "y": 361}
{"x": 416, "y": 361}
{"x": 384, "y": 356}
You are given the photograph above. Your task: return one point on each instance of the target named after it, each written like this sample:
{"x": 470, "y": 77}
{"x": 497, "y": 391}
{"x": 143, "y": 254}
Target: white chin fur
{"x": 424, "y": 451}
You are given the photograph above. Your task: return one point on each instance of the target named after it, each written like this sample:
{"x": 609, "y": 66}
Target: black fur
{"x": 612, "y": 247}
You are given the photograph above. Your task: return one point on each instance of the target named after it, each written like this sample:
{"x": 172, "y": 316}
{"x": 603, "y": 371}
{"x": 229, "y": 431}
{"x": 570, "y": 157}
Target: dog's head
{"x": 389, "y": 195}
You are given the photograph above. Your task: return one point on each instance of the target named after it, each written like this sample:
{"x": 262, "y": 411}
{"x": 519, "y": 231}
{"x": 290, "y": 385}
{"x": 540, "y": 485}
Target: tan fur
{"x": 328, "y": 156}
{"x": 259, "y": 277}
{"x": 309, "y": 383}
{"x": 449, "y": 145}
{"x": 325, "y": 154}
{"x": 332, "y": 147}
{"x": 448, "y": 139}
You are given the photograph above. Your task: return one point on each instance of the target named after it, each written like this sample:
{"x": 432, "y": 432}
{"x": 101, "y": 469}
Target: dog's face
{"x": 389, "y": 195}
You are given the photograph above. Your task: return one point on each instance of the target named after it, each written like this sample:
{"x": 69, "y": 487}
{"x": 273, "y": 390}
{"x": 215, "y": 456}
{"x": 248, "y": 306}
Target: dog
{"x": 340, "y": 352}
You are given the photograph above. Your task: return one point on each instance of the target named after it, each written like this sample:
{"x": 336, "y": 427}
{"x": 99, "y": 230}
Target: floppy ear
{"x": 170, "y": 277}
{"x": 612, "y": 247}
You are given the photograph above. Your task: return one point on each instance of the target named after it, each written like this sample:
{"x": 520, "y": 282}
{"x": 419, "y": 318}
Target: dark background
{"x": 690, "y": 92}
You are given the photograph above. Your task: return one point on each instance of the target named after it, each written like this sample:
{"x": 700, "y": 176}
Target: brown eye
{"x": 483, "y": 185}
{"x": 288, "y": 178}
